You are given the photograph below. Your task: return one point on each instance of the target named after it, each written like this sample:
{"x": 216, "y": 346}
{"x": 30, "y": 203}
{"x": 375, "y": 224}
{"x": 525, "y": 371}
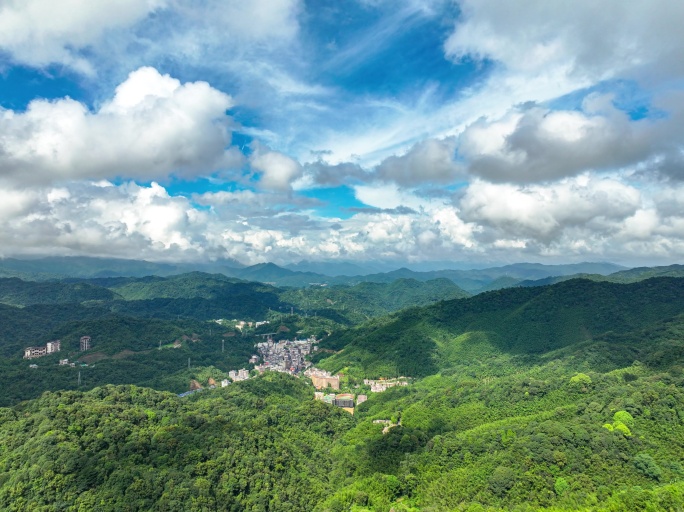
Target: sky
{"x": 401, "y": 131}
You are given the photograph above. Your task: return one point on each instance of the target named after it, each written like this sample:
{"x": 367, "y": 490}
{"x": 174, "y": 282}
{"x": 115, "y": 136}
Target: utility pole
{"x": 223, "y": 345}
{"x": 79, "y": 378}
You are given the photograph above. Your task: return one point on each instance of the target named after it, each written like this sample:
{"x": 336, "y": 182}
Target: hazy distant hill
{"x": 90, "y": 267}
{"x": 641, "y": 273}
{"x": 365, "y": 300}
{"x": 17, "y": 292}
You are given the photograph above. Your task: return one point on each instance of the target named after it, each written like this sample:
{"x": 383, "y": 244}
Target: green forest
{"x": 562, "y": 397}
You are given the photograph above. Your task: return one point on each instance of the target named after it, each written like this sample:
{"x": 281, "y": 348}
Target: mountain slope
{"x": 17, "y": 292}
{"x": 421, "y": 341}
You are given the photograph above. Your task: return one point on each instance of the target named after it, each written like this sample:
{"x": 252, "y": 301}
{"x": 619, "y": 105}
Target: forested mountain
{"x": 419, "y": 342}
{"x": 502, "y": 437}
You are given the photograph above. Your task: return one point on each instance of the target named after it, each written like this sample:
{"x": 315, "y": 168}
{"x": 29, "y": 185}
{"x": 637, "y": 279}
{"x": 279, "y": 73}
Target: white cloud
{"x": 153, "y": 126}
{"x": 544, "y": 214}
{"x": 536, "y": 144}
{"x": 576, "y": 219}
{"x": 429, "y": 161}
{"x": 276, "y": 170}
{"x": 596, "y": 40}
{"x": 41, "y": 32}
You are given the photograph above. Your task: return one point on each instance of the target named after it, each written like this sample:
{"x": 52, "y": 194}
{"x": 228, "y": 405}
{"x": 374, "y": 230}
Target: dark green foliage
{"x": 646, "y": 465}
{"x": 258, "y": 446}
{"x": 364, "y": 300}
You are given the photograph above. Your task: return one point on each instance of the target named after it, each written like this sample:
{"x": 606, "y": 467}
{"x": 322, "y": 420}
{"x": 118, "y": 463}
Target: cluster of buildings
{"x": 342, "y": 400}
{"x": 284, "y": 356}
{"x": 378, "y": 386}
{"x": 49, "y": 348}
{"x": 54, "y": 346}
{"x": 322, "y": 379}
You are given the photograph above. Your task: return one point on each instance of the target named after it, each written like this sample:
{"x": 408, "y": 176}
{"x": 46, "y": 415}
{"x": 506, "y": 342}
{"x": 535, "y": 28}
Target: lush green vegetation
{"x": 260, "y": 445}
{"x": 556, "y": 398}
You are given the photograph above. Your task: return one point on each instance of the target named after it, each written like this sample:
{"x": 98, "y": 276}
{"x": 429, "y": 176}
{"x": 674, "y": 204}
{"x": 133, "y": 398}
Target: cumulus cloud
{"x": 534, "y": 143}
{"x": 276, "y": 170}
{"x": 41, "y": 32}
{"x": 544, "y": 213}
{"x": 323, "y": 174}
{"x": 640, "y": 38}
{"x": 573, "y": 220}
{"x": 153, "y": 126}
{"x": 428, "y": 161}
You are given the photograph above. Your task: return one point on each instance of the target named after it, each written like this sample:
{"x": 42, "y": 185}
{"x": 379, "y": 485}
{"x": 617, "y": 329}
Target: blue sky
{"x": 356, "y": 130}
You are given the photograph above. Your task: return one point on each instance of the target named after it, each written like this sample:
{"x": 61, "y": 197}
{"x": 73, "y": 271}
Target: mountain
{"x": 134, "y": 321}
{"x": 334, "y": 268}
{"x": 545, "y": 438}
{"x": 90, "y": 267}
{"x": 423, "y": 341}
{"x": 479, "y": 280}
{"x": 17, "y": 292}
{"x": 364, "y": 300}
{"x": 641, "y": 273}
{"x": 301, "y": 275}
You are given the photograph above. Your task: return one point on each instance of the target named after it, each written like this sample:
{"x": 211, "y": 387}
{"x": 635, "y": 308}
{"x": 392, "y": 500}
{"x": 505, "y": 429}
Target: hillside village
{"x": 291, "y": 357}
{"x": 284, "y": 356}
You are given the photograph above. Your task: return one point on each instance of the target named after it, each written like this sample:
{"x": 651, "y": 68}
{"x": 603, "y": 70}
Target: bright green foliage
{"x": 613, "y": 321}
{"x": 561, "y": 486}
{"x": 261, "y": 445}
{"x": 622, "y": 428}
{"x": 581, "y": 380}
{"x": 624, "y": 417}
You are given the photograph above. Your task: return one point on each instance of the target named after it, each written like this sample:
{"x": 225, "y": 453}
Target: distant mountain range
{"x": 473, "y": 281}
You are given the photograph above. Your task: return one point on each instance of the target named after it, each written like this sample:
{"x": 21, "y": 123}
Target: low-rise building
{"x": 50, "y": 348}
{"x": 378, "y": 386}
{"x": 239, "y": 375}
{"x": 33, "y": 352}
